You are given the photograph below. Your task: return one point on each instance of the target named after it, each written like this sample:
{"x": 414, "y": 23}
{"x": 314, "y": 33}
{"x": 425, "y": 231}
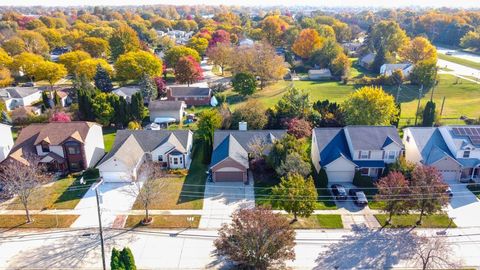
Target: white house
{"x": 319, "y": 74}
{"x": 367, "y": 60}
{"x": 6, "y": 141}
{"x": 388, "y": 69}
{"x": 15, "y": 97}
{"x": 170, "y": 149}
{"x": 166, "y": 109}
{"x": 342, "y": 151}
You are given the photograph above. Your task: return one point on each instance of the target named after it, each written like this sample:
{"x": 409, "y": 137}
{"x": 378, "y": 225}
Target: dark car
{"x": 358, "y": 196}
{"x": 339, "y": 192}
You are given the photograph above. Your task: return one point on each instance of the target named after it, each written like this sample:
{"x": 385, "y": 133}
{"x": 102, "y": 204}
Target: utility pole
{"x": 398, "y": 94}
{"x": 443, "y": 103}
{"x": 95, "y": 187}
{"x": 418, "y": 105}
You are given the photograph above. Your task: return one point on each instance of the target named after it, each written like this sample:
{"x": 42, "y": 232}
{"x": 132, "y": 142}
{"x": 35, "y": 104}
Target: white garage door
{"x": 449, "y": 174}
{"x": 340, "y": 176}
{"x": 115, "y": 177}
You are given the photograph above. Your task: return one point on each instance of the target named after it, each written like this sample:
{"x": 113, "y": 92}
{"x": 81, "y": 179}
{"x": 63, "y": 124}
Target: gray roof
{"x": 320, "y": 72}
{"x": 126, "y": 91}
{"x": 192, "y": 91}
{"x": 368, "y": 58}
{"x": 148, "y": 140}
{"x": 430, "y": 144}
{"x": 165, "y": 105}
{"x": 393, "y": 67}
{"x": 18, "y": 92}
{"x": 230, "y": 147}
{"x": 372, "y": 137}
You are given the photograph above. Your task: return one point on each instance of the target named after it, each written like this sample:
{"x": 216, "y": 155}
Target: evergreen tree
{"x": 82, "y": 82}
{"x": 148, "y": 88}
{"x": 115, "y": 261}
{"x": 429, "y": 114}
{"x": 56, "y": 99}
{"x": 85, "y": 105}
{"x": 128, "y": 259}
{"x": 46, "y": 100}
{"x": 102, "y": 80}
{"x": 137, "y": 109}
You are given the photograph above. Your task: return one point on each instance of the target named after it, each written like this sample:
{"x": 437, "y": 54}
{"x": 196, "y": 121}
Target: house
{"x": 231, "y": 148}
{"x": 126, "y": 92}
{"x": 22, "y": 113}
{"x": 388, "y": 69}
{"x": 351, "y": 47}
{"x": 6, "y": 141}
{"x": 453, "y": 150}
{"x": 343, "y": 151}
{"x": 191, "y": 95}
{"x": 15, "y": 97}
{"x": 170, "y": 148}
{"x": 319, "y": 74}
{"x": 62, "y": 147}
{"x": 166, "y": 109}
{"x": 366, "y": 61}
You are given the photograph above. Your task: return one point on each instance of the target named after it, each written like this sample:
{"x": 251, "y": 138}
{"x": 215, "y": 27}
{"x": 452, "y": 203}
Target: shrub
{"x": 360, "y": 180}
{"x": 91, "y": 173}
{"x": 321, "y": 178}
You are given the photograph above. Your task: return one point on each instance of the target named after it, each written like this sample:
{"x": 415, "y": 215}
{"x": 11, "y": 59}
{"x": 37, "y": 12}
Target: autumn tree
{"x": 14, "y": 46}
{"x": 175, "y": 53}
{"x": 123, "y": 40}
{"x": 300, "y": 128}
{"x": 188, "y": 71}
{"x": 471, "y": 40}
{"x": 5, "y": 59}
{"x": 219, "y": 36}
{"x": 88, "y": 67}
{"x": 296, "y": 195}
{"x": 5, "y": 77}
{"x": 133, "y": 65}
{"x": 307, "y": 42}
{"x": 26, "y": 63}
{"x": 418, "y": 49}
{"x": 273, "y": 28}
{"x": 424, "y": 73}
{"x": 34, "y": 42}
{"x": 71, "y": 59}
{"x": 199, "y": 44}
{"x": 393, "y": 191}
{"x": 220, "y": 55}
{"x": 50, "y": 72}
{"x": 244, "y": 83}
{"x": 252, "y": 112}
{"x": 428, "y": 191}
{"x": 61, "y": 117}
{"x": 96, "y": 47}
{"x": 210, "y": 120}
{"x": 294, "y": 163}
{"x": 369, "y": 106}
{"x": 246, "y": 241}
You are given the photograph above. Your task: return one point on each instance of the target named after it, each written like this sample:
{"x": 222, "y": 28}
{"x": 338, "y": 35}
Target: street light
{"x": 98, "y": 197}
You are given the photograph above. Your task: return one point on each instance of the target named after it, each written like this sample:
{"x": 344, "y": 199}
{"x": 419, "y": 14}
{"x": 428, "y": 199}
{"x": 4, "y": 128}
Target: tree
{"x": 284, "y": 146}
{"x": 300, "y": 128}
{"x": 340, "y": 66}
{"x": 60, "y": 117}
{"x": 71, "y": 59}
{"x": 220, "y": 55}
{"x": 148, "y": 88}
{"x": 5, "y": 77}
{"x": 428, "y": 191}
{"x": 26, "y": 63}
{"x": 134, "y": 125}
{"x": 137, "y": 108}
{"x": 418, "y": 49}
{"x": 296, "y": 195}
{"x": 428, "y": 118}
{"x": 57, "y": 101}
{"x": 393, "y": 191}
{"x": 330, "y": 113}
{"x": 252, "y": 112}
{"x": 244, "y": 83}
{"x": 161, "y": 86}
{"x": 53, "y": 37}
{"x": 210, "y": 120}
{"x": 294, "y": 164}
{"x": 307, "y": 42}
{"x": 424, "y": 73}
{"x": 14, "y": 46}
{"x": 199, "y": 44}
{"x": 127, "y": 258}
{"x": 387, "y": 37}
{"x": 435, "y": 253}
{"x": 5, "y": 59}
{"x": 133, "y": 65}
{"x": 175, "y": 53}
{"x": 369, "y": 106}
{"x": 247, "y": 240}
{"x": 49, "y": 71}
{"x": 102, "y": 109}
{"x": 123, "y": 40}
{"x": 471, "y": 40}
{"x": 273, "y": 28}
{"x": 293, "y": 104}
{"x": 219, "y": 36}
{"x": 96, "y": 47}
{"x": 23, "y": 179}
{"x": 102, "y": 79}
{"x": 187, "y": 70}
{"x": 46, "y": 100}
{"x": 34, "y": 42}
{"x": 115, "y": 261}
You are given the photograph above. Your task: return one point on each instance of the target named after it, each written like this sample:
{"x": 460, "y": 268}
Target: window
{"x": 175, "y": 161}
{"x": 391, "y": 155}
{"x": 466, "y": 154}
{"x": 364, "y": 171}
{"x": 364, "y": 154}
{"x": 181, "y": 160}
{"x": 73, "y": 150}
{"x": 74, "y": 165}
{"x": 160, "y": 158}
{"x": 45, "y": 148}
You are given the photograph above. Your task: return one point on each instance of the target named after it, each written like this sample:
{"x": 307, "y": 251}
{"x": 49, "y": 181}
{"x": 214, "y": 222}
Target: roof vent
{"x": 242, "y": 125}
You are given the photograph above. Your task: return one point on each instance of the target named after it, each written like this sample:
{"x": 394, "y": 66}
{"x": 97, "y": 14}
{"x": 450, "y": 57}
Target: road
{"x": 193, "y": 249}
{"x": 460, "y": 54}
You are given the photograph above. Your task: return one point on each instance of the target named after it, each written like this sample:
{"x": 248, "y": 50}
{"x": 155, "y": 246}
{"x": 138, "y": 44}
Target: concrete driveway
{"x": 464, "y": 206}
{"x": 222, "y": 199}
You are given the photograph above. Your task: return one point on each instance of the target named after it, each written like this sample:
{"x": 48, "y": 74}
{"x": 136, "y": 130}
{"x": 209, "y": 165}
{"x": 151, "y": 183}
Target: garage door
{"x": 115, "y": 177}
{"x": 340, "y": 176}
{"x": 449, "y": 174}
{"x": 229, "y": 177}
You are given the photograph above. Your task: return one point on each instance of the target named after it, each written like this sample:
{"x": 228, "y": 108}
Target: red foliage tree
{"x": 300, "y": 128}
{"x": 219, "y": 36}
{"x": 161, "y": 86}
{"x": 393, "y": 190}
{"x": 188, "y": 70}
{"x": 60, "y": 117}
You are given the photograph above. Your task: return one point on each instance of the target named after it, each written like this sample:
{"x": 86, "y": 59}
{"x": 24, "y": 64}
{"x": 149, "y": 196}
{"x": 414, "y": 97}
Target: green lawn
{"x": 39, "y": 221}
{"x": 318, "y": 222}
{"x": 64, "y": 193}
{"x": 182, "y": 192}
{"x": 403, "y": 221}
{"x": 460, "y": 61}
{"x": 163, "y": 221}
{"x": 108, "y": 138}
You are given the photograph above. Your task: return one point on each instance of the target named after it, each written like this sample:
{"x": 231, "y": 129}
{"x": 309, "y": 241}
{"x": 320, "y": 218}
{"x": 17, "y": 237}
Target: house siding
{"x": 314, "y": 153}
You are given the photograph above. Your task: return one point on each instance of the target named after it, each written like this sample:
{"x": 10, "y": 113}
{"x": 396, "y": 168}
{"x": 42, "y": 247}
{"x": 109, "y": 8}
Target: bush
{"x": 91, "y": 173}
{"x": 321, "y": 178}
{"x": 363, "y": 181}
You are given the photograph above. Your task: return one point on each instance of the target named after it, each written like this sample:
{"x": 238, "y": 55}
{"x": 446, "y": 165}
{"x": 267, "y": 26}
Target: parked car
{"x": 449, "y": 53}
{"x": 339, "y": 192}
{"x": 358, "y": 196}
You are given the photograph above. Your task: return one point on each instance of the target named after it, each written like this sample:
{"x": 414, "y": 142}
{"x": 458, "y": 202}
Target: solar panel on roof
{"x": 455, "y": 131}
{"x": 468, "y": 131}
{"x": 478, "y": 130}
{"x": 462, "y": 131}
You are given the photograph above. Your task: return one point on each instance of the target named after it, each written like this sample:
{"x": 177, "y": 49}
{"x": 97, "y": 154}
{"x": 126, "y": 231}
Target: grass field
{"x": 403, "y": 221}
{"x": 39, "y": 221}
{"x": 460, "y": 61}
{"x": 318, "y": 222}
{"x": 163, "y": 221}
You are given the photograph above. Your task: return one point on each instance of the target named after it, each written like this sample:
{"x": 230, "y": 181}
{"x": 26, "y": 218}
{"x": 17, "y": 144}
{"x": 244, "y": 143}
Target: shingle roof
{"x": 126, "y": 91}
{"x": 230, "y": 147}
{"x": 372, "y": 137}
{"x": 393, "y": 67}
{"x": 192, "y": 91}
{"x": 331, "y": 144}
{"x": 165, "y": 105}
{"x": 430, "y": 144}
{"x": 18, "y": 92}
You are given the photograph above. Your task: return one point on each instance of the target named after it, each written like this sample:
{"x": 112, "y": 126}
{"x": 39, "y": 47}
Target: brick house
{"x": 191, "y": 95}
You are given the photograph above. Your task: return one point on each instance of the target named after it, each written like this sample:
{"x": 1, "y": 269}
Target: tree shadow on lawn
{"x": 368, "y": 249}
{"x": 194, "y": 185}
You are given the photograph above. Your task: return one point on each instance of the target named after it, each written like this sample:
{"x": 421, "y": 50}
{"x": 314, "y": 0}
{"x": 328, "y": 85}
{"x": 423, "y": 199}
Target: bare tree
{"x": 257, "y": 147}
{"x": 435, "y": 253}
{"x": 148, "y": 185}
{"x": 22, "y": 179}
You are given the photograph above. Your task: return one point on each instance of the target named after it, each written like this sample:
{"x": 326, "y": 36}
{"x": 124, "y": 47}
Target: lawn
{"x": 164, "y": 221}
{"x": 182, "y": 192}
{"x": 403, "y": 221}
{"x": 475, "y": 189}
{"x": 64, "y": 193}
{"x": 108, "y": 138}
{"x": 460, "y": 61}
{"x": 39, "y": 221}
{"x": 318, "y": 222}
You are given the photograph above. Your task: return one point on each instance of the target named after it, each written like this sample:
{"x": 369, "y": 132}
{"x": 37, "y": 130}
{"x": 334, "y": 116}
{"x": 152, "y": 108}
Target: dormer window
{"x": 466, "y": 154}
{"x": 45, "y": 147}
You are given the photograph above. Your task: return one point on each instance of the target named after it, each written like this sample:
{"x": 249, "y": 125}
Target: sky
{"x": 329, "y": 3}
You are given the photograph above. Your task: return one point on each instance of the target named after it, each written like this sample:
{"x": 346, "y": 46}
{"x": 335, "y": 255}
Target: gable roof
{"x": 430, "y": 144}
{"x": 18, "y": 92}
{"x": 192, "y": 91}
{"x": 331, "y": 144}
{"x": 126, "y": 91}
{"x": 231, "y": 148}
{"x": 368, "y": 58}
{"x": 393, "y": 67}
{"x": 166, "y": 105}
{"x": 372, "y": 137}
{"x": 325, "y": 72}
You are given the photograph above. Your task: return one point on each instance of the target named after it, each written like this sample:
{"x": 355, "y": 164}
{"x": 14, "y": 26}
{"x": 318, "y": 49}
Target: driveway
{"x": 116, "y": 197}
{"x": 222, "y": 199}
{"x": 464, "y": 206}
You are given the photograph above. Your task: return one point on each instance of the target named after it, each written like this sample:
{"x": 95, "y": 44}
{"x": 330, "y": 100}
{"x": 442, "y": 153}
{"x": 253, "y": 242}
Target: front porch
{"x": 471, "y": 174}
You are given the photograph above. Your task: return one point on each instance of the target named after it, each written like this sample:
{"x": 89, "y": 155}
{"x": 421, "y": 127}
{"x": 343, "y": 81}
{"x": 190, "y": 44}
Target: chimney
{"x": 242, "y": 125}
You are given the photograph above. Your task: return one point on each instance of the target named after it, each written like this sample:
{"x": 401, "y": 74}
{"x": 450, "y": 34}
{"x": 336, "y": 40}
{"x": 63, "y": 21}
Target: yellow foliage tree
{"x": 88, "y": 67}
{"x": 418, "y": 49}
{"x": 49, "y": 71}
{"x": 307, "y": 42}
{"x": 71, "y": 60}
